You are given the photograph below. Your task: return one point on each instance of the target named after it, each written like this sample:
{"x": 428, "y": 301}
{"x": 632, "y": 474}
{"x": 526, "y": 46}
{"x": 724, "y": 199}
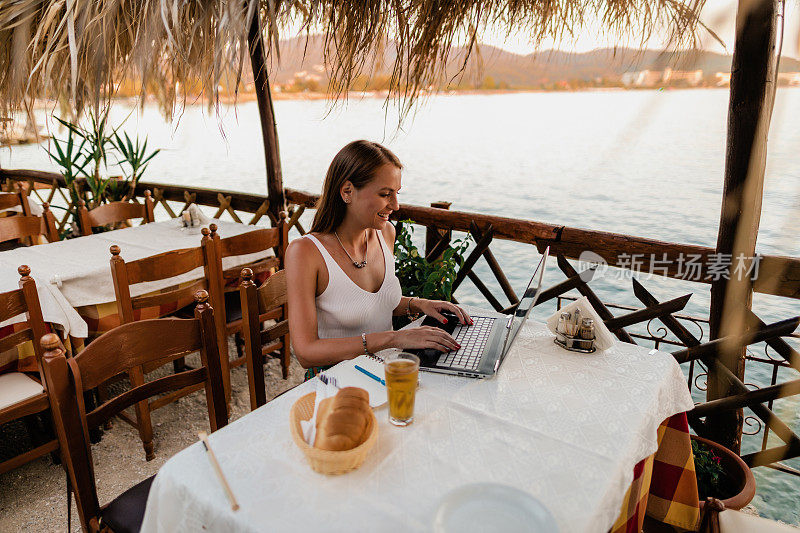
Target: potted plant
{"x": 420, "y": 277}
{"x": 721, "y": 474}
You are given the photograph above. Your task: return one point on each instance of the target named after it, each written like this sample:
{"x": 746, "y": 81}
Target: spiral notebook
{"x": 347, "y": 376}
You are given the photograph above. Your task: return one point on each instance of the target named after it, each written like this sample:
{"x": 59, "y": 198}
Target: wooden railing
{"x": 777, "y": 275}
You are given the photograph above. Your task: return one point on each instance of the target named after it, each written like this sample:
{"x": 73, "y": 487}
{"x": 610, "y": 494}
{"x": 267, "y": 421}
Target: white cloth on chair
{"x": 16, "y": 387}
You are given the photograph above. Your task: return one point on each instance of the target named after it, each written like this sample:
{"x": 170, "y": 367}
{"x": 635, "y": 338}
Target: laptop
{"x": 484, "y": 344}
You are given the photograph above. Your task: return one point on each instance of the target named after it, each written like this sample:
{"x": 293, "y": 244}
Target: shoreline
{"x": 199, "y": 100}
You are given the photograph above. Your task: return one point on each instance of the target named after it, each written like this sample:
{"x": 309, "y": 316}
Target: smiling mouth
{"x": 384, "y": 216}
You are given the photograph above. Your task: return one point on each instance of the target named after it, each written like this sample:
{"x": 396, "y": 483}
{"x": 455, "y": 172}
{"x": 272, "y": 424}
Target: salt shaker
{"x": 562, "y": 323}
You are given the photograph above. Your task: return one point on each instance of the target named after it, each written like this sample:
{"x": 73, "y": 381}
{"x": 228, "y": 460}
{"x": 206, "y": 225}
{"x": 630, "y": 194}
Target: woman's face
{"x": 372, "y": 204}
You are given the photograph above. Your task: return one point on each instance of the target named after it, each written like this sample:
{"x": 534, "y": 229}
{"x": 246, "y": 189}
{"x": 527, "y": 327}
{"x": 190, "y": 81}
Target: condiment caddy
{"x": 575, "y": 333}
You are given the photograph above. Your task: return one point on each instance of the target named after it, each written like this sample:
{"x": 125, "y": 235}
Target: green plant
{"x": 85, "y": 152}
{"x": 424, "y": 279}
{"x": 70, "y": 156}
{"x": 712, "y": 480}
{"x": 135, "y": 158}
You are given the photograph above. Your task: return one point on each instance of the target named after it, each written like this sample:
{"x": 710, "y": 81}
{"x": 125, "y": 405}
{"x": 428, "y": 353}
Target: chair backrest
{"x": 28, "y": 226}
{"x": 15, "y": 199}
{"x": 116, "y": 351}
{"x": 23, "y": 300}
{"x": 259, "y": 240}
{"x": 114, "y": 212}
{"x": 159, "y": 267}
{"x": 252, "y": 242}
{"x": 257, "y": 305}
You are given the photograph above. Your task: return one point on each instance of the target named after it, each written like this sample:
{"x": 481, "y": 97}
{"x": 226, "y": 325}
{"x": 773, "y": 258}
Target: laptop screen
{"x": 526, "y": 303}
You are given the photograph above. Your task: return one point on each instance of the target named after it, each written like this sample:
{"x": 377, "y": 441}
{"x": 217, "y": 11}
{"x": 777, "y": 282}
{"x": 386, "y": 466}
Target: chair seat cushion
{"x": 731, "y": 521}
{"x": 126, "y": 512}
{"x": 16, "y": 387}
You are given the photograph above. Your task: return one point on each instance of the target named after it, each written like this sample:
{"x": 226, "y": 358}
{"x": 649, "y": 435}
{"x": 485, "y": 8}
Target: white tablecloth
{"x": 76, "y": 272}
{"x": 567, "y": 428}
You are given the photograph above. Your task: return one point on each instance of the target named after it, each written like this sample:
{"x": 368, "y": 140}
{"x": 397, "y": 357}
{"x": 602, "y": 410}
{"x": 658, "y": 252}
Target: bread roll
{"x": 342, "y": 420}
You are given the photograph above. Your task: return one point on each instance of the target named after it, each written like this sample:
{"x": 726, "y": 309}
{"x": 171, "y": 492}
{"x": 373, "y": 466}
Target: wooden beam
{"x": 749, "y": 113}
{"x": 481, "y": 245}
{"x": 648, "y": 313}
{"x": 269, "y": 131}
{"x": 499, "y": 275}
{"x": 672, "y": 323}
{"x": 714, "y": 347}
{"x": 434, "y": 238}
{"x": 748, "y": 399}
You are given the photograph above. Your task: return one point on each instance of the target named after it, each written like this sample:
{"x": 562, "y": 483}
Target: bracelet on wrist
{"x": 364, "y": 343}
{"x": 411, "y": 316}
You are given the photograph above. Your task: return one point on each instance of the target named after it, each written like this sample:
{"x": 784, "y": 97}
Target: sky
{"x": 718, "y": 15}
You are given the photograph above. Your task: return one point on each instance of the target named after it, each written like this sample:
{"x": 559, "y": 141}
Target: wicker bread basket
{"x": 324, "y": 461}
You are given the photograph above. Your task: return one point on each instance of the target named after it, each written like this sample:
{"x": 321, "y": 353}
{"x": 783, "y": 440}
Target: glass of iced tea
{"x": 402, "y": 370}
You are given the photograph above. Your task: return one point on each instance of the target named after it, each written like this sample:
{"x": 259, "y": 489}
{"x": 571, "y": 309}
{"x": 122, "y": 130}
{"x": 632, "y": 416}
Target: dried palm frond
{"x": 76, "y": 50}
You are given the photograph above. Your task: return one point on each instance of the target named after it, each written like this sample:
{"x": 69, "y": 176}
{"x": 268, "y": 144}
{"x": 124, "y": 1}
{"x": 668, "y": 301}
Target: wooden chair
{"x": 115, "y": 212}
{"x": 127, "y": 347}
{"x": 22, "y": 396}
{"x": 16, "y": 199}
{"x": 158, "y": 267}
{"x": 224, "y": 289}
{"x": 28, "y": 228}
{"x": 258, "y": 304}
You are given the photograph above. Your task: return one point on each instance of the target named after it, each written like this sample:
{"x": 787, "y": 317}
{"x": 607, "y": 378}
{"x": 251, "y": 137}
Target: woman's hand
{"x": 425, "y": 337}
{"x": 434, "y": 307}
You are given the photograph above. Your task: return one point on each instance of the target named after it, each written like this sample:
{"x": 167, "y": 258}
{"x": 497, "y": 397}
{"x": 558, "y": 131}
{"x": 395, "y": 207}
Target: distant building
{"x": 692, "y": 77}
{"x": 653, "y": 78}
{"x": 791, "y": 79}
{"x": 642, "y": 78}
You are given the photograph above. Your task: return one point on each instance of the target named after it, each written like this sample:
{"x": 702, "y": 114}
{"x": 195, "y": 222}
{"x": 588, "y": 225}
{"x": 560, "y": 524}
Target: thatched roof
{"x": 73, "y": 49}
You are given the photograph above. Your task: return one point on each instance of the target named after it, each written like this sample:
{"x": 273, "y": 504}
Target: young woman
{"x": 342, "y": 289}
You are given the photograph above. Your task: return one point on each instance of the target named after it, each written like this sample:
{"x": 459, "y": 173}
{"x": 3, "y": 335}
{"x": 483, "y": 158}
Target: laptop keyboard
{"x": 472, "y": 340}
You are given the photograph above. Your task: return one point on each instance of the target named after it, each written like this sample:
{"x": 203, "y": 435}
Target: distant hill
{"x": 301, "y": 64}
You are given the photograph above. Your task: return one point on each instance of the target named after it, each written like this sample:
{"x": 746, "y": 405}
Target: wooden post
{"x": 432, "y": 234}
{"x": 269, "y": 132}
{"x": 749, "y": 112}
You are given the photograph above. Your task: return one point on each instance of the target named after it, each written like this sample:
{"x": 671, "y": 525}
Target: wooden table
{"x": 73, "y": 276}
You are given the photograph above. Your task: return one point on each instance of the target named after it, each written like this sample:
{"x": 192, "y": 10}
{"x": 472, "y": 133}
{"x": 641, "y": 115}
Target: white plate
{"x": 486, "y": 507}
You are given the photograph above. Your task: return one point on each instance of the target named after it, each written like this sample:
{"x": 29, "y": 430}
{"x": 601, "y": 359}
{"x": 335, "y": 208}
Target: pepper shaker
{"x": 587, "y": 329}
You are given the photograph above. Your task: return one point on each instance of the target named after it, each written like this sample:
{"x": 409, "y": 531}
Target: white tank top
{"x": 346, "y": 310}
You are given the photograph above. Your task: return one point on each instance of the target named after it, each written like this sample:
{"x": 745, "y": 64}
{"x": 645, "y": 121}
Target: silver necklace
{"x": 357, "y": 264}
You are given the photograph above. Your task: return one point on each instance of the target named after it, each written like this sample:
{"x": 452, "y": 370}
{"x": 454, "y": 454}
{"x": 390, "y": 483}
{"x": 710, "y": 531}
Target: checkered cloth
{"x": 664, "y": 484}
{"x": 20, "y": 358}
